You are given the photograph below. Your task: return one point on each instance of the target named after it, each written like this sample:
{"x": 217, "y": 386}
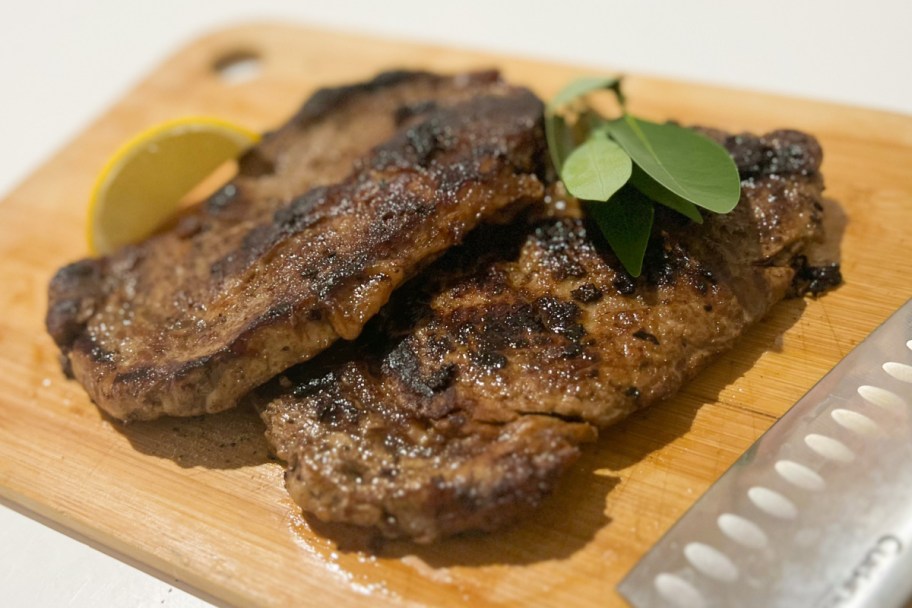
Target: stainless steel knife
{"x": 818, "y": 512}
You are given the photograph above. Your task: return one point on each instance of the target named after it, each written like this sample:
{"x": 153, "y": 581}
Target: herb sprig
{"x": 622, "y": 167}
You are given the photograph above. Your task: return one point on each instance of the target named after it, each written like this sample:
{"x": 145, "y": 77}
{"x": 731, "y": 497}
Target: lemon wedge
{"x": 141, "y": 186}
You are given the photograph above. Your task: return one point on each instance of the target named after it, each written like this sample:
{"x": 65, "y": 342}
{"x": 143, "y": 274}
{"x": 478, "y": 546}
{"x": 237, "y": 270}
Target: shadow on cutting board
{"x": 229, "y": 440}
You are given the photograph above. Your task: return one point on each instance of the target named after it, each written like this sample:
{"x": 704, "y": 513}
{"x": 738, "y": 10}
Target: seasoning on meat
{"x": 467, "y": 397}
{"x": 364, "y": 187}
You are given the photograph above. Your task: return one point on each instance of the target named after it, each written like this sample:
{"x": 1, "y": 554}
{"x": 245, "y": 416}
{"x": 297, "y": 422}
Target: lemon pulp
{"x": 141, "y": 186}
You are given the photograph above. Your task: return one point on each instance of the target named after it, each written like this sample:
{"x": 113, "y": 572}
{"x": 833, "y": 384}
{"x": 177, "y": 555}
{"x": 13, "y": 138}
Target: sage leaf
{"x": 578, "y": 88}
{"x": 626, "y": 222}
{"x": 683, "y": 161}
{"x": 655, "y": 191}
{"x": 560, "y": 140}
{"x": 596, "y": 170}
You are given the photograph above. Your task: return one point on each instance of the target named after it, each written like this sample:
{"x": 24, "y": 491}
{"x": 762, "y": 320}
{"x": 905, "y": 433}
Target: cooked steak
{"x": 468, "y": 396}
{"x": 366, "y": 185}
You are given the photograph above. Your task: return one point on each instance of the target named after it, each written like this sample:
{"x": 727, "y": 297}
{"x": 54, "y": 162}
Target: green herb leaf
{"x": 684, "y": 162}
{"x": 597, "y": 169}
{"x": 560, "y": 140}
{"x": 578, "y": 88}
{"x": 626, "y": 222}
{"x": 660, "y": 194}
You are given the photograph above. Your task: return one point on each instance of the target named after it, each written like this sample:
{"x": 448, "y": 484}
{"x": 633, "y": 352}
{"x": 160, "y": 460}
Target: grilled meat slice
{"x": 465, "y": 399}
{"x": 365, "y": 186}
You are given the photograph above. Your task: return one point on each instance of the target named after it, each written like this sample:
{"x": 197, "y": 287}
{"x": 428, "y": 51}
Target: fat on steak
{"x": 366, "y": 185}
{"x": 468, "y": 396}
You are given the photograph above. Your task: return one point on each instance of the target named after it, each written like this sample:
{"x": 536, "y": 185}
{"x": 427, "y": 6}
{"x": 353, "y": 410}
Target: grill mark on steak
{"x": 261, "y": 276}
{"x": 469, "y": 395}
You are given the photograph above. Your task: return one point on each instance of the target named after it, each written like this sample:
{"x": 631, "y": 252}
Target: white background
{"x": 62, "y": 63}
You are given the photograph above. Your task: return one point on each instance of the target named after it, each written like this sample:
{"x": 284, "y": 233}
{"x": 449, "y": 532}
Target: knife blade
{"x": 818, "y": 512}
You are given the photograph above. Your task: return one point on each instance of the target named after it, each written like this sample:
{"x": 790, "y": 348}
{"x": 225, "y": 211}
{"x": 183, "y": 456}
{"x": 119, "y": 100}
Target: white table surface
{"x": 66, "y": 62}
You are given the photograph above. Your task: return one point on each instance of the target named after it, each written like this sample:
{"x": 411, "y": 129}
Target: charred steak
{"x": 365, "y": 186}
{"x": 466, "y": 398}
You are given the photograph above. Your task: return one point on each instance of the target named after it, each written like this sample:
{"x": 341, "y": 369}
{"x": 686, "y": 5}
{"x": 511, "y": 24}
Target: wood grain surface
{"x": 200, "y": 499}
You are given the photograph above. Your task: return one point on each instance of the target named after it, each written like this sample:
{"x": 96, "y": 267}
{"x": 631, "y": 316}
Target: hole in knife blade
{"x": 678, "y": 591}
{"x": 855, "y": 422}
{"x": 829, "y": 448}
{"x": 900, "y": 371}
{"x": 772, "y": 503}
{"x": 799, "y": 475}
{"x": 711, "y": 562}
{"x": 882, "y": 398}
{"x": 743, "y": 531}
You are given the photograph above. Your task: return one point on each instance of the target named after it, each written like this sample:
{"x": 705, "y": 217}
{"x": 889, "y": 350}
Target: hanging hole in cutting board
{"x": 237, "y": 67}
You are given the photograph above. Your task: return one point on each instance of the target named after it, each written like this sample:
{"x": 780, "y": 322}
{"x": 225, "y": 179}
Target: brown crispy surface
{"x": 303, "y": 247}
{"x": 467, "y": 397}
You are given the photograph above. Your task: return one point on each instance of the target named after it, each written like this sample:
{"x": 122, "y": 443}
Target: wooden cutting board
{"x": 200, "y": 500}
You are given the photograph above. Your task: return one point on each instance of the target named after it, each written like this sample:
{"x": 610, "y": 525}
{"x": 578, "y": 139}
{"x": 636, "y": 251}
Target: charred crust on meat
{"x": 623, "y": 283}
{"x": 202, "y": 298}
{"x": 587, "y": 293}
{"x": 427, "y": 138}
{"x": 100, "y": 355}
{"x": 73, "y": 295}
{"x": 560, "y": 316}
{"x": 302, "y": 213}
{"x": 139, "y": 376}
{"x": 642, "y": 334}
{"x": 507, "y": 326}
{"x": 488, "y": 359}
{"x": 287, "y": 221}
{"x": 337, "y": 413}
{"x": 311, "y": 386}
{"x": 493, "y": 327}
{"x": 404, "y": 362}
{"x": 779, "y": 152}
{"x": 663, "y": 261}
{"x": 559, "y": 242}
{"x": 814, "y": 280}
{"x": 63, "y": 321}
{"x": 409, "y": 111}
{"x": 471, "y": 487}
{"x": 326, "y": 99}
{"x": 403, "y": 205}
